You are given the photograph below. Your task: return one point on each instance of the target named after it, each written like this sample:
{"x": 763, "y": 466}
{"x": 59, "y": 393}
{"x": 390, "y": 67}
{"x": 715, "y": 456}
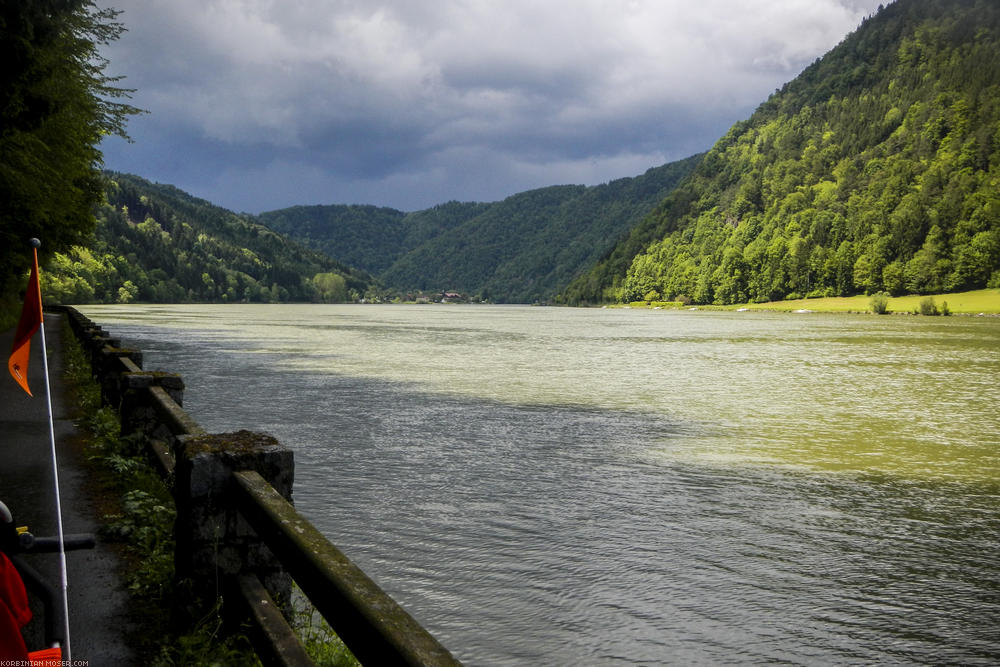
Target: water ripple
{"x": 567, "y": 487}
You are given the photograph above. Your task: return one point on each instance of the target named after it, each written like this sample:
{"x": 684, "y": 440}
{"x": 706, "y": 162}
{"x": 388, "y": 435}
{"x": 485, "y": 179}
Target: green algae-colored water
{"x": 563, "y": 486}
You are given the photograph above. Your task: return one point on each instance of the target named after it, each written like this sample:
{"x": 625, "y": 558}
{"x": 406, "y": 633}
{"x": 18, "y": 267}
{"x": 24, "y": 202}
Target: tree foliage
{"x": 155, "y": 243}
{"x": 523, "y": 249}
{"x": 367, "y": 237}
{"x": 56, "y": 105}
{"x": 877, "y": 169}
{"x": 330, "y": 287}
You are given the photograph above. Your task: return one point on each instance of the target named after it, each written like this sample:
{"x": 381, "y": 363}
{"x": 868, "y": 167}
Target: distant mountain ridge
{"x": 877, "y": 169}
{"x": 522, "y": 249}
{"x": 368, "y": 237}
{"x": 156, "y": 243}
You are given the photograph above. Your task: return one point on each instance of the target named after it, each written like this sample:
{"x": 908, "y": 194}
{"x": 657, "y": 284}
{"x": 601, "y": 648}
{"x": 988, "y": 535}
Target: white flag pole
{"x": 64, "y": 579}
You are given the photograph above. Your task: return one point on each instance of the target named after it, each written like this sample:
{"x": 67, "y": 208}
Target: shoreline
{"x": 976, "y": 303}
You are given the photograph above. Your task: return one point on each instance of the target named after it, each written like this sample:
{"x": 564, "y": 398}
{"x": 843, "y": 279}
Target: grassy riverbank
{"x": 977, "y": 302}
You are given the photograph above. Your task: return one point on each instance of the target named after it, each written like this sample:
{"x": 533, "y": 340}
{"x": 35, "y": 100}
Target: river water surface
{"x": 568, "y": 486}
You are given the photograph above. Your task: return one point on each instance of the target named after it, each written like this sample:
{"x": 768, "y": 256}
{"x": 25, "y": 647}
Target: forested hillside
{"x": 877, "y": 169}
{"x": 156, "y": 243}
{"x": 56, "y": 105}
{"x": 364, "y": 236}
{"x": 522, "y": 249}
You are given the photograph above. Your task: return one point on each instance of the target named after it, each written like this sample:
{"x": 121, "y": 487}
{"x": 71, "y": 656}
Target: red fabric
{"x": 14, "y": 612}
{"x": 47, "y": 657}
{"x": 31, "y": 318}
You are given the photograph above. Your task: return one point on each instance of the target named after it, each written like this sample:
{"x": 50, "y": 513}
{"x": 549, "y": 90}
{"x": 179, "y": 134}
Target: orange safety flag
{"x": 31, "y": 319}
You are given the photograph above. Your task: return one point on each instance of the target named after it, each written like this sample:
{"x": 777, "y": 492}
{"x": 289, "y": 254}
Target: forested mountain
{"x": 878, "y": 168}
{"x": 368, "y": 237}
{"x": 156, "y": 243}
{"x": 522, "y": 249}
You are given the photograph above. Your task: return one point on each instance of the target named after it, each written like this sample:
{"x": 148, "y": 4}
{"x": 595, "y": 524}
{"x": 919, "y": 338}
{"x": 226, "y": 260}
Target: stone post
{"x": 111, "y": 369}
{"x": 96, "y": 344}
{"x": 138, "y": 409}
{"x": 213, "y": 541}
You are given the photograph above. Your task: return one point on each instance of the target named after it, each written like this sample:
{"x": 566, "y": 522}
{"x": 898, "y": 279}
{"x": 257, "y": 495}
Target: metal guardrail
{"x": 374, "y": 627}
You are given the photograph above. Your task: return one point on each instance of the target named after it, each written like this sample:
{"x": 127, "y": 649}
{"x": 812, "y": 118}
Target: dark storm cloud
{"x": 260, "y": 104}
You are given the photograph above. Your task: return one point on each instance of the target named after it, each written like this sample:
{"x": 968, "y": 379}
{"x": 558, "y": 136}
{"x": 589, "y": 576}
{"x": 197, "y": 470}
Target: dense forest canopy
{"x": 156, "y": 243}
{"x": 523, "y": 249}
{"x": 368, "y": 237}
{"x": 56, "y": 105}
{"x": 877, "y": 169}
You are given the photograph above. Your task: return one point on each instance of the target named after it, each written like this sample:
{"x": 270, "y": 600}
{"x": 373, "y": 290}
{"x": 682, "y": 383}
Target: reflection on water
{"x": 567, "y": 486}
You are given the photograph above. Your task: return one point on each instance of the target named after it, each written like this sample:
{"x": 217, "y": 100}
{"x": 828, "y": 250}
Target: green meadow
{"x": 976, "y": 302}
{"x": 984, "y": 301}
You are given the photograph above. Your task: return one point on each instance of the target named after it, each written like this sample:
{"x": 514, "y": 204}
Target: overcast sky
{"x": 256, "y": 105}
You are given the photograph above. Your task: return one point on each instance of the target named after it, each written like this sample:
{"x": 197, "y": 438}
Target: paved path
{"x": 98, "y": 611}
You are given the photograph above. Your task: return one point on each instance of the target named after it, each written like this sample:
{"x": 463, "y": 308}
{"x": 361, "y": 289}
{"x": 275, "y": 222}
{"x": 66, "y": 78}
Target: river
{"x": 614, "y": 487}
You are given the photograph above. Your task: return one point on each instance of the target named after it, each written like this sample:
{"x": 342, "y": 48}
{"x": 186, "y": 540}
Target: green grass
{"x": 986, "y": 301}
{"x": 317, "y": 637}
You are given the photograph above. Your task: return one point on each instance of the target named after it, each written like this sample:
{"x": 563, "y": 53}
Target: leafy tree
{"x": 127, "y": 292}
{"x": 525, "y": 248}
{"x": 330, "y": 287}
{"x": 155, "y": 243}
{"x": 880, "y": 303}
{"x": 875, "y": 169}
{"x": 55, "y": 107}
{"x": 928, "y": 307}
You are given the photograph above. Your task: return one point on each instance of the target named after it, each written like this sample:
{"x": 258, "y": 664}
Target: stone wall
{"x": 212, "y": 541}
{"x": 217, "y": 550}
